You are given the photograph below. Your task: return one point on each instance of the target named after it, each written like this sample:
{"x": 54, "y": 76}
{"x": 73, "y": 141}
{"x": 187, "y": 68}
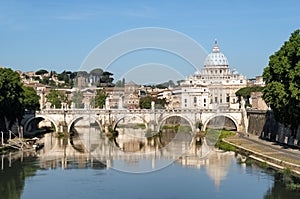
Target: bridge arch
{"x": 81, "y": 117}
{"x": 44, "y": 117}
{"x": 117, "y": 121}
{"x": 235, "y": 122}
{"x": 160, "y": 123}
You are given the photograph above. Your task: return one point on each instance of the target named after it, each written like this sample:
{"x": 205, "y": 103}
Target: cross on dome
{"x": 216, "y": 47}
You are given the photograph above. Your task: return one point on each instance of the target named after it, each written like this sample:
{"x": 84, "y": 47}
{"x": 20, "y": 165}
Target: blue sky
{"x": 59, "y": 34}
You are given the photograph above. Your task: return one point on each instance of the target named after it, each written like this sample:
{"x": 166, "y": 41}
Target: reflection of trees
{"x": 279, "y": 190}
{"x": 12, "y": 179}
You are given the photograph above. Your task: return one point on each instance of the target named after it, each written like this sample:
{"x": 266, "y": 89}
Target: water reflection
{"x": 278, "y": 191}
{"x": 216, "y": 164}
{"x": 89, "y": 149}
{"x": 131, "y": 150}
{"x": 15, "y": 168}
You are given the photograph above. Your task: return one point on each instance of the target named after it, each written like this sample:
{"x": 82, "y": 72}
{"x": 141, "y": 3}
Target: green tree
{"x": 160, "y": 103}
{"x": 164, "y": 85}
{"x": 77, "y": 99}
{"x": 96, "y": 72}
{"x": 41, "y": 72}
{"x": 36, "y": 78}
{"x": 282, "y": 77}
{"x": 145, "y": 102}
{"x": 47, "y": 81}
{"x": 106, "y": 79}
{"x": 93, "y": 102}
{"x": 31, "y": 99}
{"x": 100, "y": 98}
{"x": 64, "y": 76}
{"x": 11, "y": 98}
{"x": 120, "y": 83}
{"x": 56, "y": 98}
{"x": 246, "y": 93}
{"x": 82, "y": 74}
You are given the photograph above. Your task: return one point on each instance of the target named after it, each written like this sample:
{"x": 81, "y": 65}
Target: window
{"x": 241, "y": 81}
{"x": 204, "y": 100}
{"x": 216, "y": 99}
{"x": 195, "y": 100}
{"x": 227, "y": 98}
{"x": 185, "y": 100}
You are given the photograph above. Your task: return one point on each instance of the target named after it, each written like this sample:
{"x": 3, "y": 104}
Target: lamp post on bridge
{"x": 64, "y": 126}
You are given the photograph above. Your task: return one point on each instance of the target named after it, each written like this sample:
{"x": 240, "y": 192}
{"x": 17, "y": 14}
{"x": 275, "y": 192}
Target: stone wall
{"x": 257, "y": 101}
{"x": 256, "y": 122}
{"x": 263, "y": 124}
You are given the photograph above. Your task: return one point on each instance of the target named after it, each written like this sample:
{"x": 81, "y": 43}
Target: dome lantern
{"x": 216, "y": 47}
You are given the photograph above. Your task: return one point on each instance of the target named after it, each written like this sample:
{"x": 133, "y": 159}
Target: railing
{"x": 134, "y": 111}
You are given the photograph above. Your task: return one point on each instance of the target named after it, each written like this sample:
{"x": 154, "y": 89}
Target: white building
{"x": 215, "y": 87}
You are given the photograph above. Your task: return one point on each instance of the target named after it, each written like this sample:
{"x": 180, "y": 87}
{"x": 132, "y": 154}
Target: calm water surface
{"x": 66, "y": 169}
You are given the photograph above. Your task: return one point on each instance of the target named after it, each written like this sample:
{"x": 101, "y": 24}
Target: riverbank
{"x": 17, "y": 144}
{"x": 273, "y": 154}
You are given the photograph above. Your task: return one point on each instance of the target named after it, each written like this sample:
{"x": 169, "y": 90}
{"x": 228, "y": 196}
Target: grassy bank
{"x": 131, "y": 125}
{"x": 177, "y": 128}
{"x": 216, "y": 136}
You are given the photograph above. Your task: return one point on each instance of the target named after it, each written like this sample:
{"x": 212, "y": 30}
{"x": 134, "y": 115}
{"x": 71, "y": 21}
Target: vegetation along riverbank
{"x": 285, "y": 161}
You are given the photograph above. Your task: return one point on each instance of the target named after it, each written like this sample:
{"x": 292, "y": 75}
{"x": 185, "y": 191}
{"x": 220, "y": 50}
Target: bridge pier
{"x": 63, "y": 128}
{"x": 153, "y": 126}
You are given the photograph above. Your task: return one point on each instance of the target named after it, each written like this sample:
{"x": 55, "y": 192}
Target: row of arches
{"x": 220, "y": 121}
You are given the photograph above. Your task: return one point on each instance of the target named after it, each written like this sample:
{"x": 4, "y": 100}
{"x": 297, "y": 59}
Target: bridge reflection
{"x": 91, "y": 149}
{"x": 130, "y": 152}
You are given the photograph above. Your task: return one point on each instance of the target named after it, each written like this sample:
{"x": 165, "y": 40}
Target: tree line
{"x": 15, "y": 99}
{"x": 282, "y": 79}
{"x": 68, "y": 79}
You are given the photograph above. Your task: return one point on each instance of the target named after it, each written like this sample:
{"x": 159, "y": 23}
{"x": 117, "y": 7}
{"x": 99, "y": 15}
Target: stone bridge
{"x": 64, "y": 119}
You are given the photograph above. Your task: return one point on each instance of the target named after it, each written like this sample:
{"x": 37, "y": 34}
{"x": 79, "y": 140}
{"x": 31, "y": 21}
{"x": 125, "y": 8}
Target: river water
{"x": 93, "y": 166}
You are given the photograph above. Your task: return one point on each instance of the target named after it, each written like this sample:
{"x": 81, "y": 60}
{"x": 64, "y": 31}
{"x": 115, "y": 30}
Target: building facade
{"x": 214, "y": 87}
{"x": 131, "y": 95}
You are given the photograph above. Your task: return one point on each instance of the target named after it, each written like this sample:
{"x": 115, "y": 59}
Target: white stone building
{"x": 215, "y": 87}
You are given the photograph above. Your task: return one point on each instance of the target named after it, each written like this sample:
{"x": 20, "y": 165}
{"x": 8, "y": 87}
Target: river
{"x": 90, "y": 165}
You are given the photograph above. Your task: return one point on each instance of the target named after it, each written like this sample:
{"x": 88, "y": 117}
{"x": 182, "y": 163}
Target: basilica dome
{"x": 216, "y": 58}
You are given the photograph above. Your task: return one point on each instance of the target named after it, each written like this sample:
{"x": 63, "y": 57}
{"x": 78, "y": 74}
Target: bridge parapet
{"x": 137, "y": 111}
